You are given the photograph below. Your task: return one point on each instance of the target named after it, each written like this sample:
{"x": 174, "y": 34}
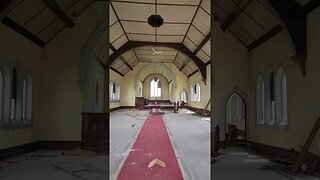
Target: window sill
{"x": 16, "y": 127}
{"x": 114, "y": 101}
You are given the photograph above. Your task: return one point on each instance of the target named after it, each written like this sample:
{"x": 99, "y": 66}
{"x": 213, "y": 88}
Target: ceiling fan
{"x": 156, "y": 52}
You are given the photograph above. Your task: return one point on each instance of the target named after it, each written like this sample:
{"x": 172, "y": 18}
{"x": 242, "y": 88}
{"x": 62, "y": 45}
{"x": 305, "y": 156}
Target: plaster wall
{"x": 302, "y": 91}
{"x": 15, "y": 47}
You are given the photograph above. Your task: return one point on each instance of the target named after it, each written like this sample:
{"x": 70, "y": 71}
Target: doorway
{"x": 235, "y": 119}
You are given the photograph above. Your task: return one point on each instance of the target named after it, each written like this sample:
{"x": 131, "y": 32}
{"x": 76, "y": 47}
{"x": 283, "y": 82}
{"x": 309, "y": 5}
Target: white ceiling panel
{"x": 192, "y": 65}
{"x": 182, "y": 56}
{"x": 190, "y": 2}
{"x": 206, "y": 48}
{"x": 137, "y": 27}
{"x": 52, "y": 30}
{"x": 127, "y": 55}
{"x": 183, "y": 14}
{"x": 262, "y": 15}
{"x": 120, "y": 42}
{"x": 173, "y": 39}
{"x": 173, "y": 29}
{"x": 240, "y": 33}
{"x": 185, "y": 71}
{"x": 201, "y": 55}
{"x": 113, "y": 18}
{"x": 206, "y": 4}
{"x": 138, "y": 37}
{"x": 189, "y": 44}
{"x": 117, "y": 63}
{"x": 131, "y": 11}
{"x": 253, "y": 28}
{"x": 202, "y": 21}
{"x": 26, "y": 10}
{"x": 195, "y": 36}
{"x": 115, "y": 31}
{"x": 40, "y": 22}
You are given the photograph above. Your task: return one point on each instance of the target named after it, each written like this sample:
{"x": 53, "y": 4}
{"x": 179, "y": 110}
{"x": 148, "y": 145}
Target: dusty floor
{"x": 190, "y": 138}
{"x": 189, "y": 135}
{"x": 236, "y": 163}
{"x": 53, "y": 165}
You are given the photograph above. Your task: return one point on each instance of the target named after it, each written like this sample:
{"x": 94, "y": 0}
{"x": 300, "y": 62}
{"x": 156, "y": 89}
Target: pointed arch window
{"x": 114, "y": 90}
{"x": 260, "y": 100}
{"x": 13, "y": 94}
{"x": 1, "y": 95}
{"x": 155, "y": 87}
{"x": 27, "y": 99}
{"x": 281, "y": 98}
{"x": 183, "y": 96}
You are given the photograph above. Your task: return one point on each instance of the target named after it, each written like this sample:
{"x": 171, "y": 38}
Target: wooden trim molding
{"x": 266, "y": 149}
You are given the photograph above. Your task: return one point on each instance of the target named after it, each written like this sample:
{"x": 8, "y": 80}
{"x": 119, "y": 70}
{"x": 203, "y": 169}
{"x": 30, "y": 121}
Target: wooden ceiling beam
{"x": 120, "y": 57}
{"x": 204, "y": 41}
{"x": 4, "y": 7}
{"x": 177, "y": 46}
{"x": 55, "y": 8}
{"x": 268, "y": 35}
{"x": 235, "y": 14}
{"x": 21, "y": 30}
{"x": 310, "y": 6}
{"x": 194, "y": 72}
{"x": 294, "y": 17}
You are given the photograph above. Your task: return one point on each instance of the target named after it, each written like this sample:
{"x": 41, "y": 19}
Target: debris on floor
{"x": 156, "y": 162}
{"x": 82, "y": 170}
{"x": 79, "y": 152}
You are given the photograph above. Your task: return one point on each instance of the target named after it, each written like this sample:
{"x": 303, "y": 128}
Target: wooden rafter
{"x": 177, "y": 46}
{"x": 52, "y": 4}
{"x": 204, "y": 41}
{"x": 121, "y": 58}
{"x": 21, "y": 30}
{"x": 268, "y": 35}
{"x": 235, "y": 14}
{"x": 294, "y": 17}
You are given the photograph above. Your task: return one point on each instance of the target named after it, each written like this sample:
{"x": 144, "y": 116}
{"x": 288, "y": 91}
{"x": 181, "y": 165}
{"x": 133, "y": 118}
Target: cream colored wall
{"x": 204, "y": 90}
{"x": 164, "y": 87}
{"x": 230, "y": 74}
{"x": 15, "y": 46}
{"x": 63, "y": 102}
{"x": 303, "y": 91}
{"x": 128, "y": 91}
{"x": 115, "y": 77}
{"x": 182, "y": 81}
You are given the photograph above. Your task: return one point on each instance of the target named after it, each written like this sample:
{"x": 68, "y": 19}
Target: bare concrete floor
{"x": 236, "y": 163}
{"x": 53, "y": 165}
{"x": 190, "y": 136}
{"x": 124, "y": 128}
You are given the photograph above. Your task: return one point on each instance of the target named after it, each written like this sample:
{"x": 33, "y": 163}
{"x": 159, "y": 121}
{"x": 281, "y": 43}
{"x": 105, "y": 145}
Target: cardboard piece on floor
{"x": 156, "y": 162}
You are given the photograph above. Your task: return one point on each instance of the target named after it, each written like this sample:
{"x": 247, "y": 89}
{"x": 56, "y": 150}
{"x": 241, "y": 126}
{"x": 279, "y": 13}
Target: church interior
{"x": 159, "y": 89}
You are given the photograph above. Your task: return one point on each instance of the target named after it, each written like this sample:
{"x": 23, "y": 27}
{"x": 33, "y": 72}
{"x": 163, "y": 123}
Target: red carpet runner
{"x": 152, "y": 142}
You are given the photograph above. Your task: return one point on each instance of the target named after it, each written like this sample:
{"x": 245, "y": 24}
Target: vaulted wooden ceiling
{"x": 186, "y": 23}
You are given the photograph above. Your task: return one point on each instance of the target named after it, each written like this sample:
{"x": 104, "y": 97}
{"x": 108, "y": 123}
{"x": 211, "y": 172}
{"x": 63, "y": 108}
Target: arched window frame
{"x": 191, "y": 93}
{"x": 260, "y": 101}
{"x": 198, "y": 94}
{"x": 270, "y": 102}
{"x": 281, "y": 98}
{"x": 184, "y": 96}
{"x": 5, "y": 119}
{"x": 155, "y": 91}
{"x": 114, "y": 91}
{"x": 27, "y": 99}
